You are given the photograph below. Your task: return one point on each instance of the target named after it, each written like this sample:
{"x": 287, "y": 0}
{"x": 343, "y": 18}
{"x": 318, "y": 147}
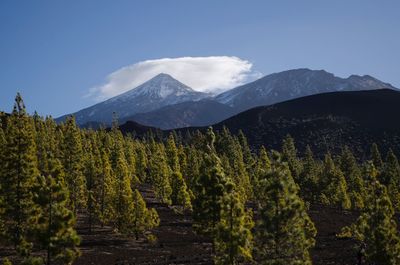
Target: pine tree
{"x": 131, "y": 161}
{"x": 209, "y": 190}
{"x": 180, "y": 194}
{"x": 141, "y": 162}
{"x": 248, "y": 158}
{"x": 289, "y": 154}
{"x": 352, "y": 173}
{"x": 107, "y": 190}
{"x": 390, "y": 176}
{"x": 2, "y": 166}
{"x": 233, "y": 241}
{"x": 92, "y": 174}
{"x": 263, "y": 166}
{"x": 229, "y": 147}
{"x": 54, "y": 224}
{"x": 123, "y": 201}
{"x": 376, "y": 156}
{"x": 309, "y": 177}
{"x": 18, "y": 175}
{"x": 333, "y": 184}
{"x": 183, "y": 163}
{"x": 72, "y": 161}
{"x": 160, "y": 173}
{"x": 193, "y": 167}
{"x": 143, "y": 219}
{"x": 377, "y": 228}
{"x": 172, "y": 154}
{"x": 284, "y": 232}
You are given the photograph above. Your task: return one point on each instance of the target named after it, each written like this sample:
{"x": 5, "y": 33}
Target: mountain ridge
{"x": 159, "y": 91}
{"x": 165, "y": 102}
{"x": 295, "y": 83}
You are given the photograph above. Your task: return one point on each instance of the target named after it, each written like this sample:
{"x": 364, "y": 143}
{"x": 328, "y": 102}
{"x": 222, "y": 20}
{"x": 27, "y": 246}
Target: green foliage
{"x": 143, "y": 219}
{"x": 334, "y": 186}
{"x": 352, "y": 173}
{"x": 72, "y": 158}
{"x": 233, "y": 240}
{"x": 209, "y": 190}
{"x": 107, "y": 187}
{"x": 377, "y": 229}
{"x": 18, "y": 174}
{"x": 6, "y": 261}
{"x": 376, "y": 156}
{"x": 262, "y": 167}
{"x": 160, "y": 173}
{"x": 49, "y": 172}
{"x": 390, "y": 176}
{"x": 53, "y": 222}
{"x": 123, "y": 201}
{"x": 289, "y": 154}
{"x": 309, "y": 177}
{"x": 230, "y": 148}
{"x": 141, "y": 162}
{"x": 54, "y": 230}
{"x": 284, "y": 232}
{"x": 180, "y": 194}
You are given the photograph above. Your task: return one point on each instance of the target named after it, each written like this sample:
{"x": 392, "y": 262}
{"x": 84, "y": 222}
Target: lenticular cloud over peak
{"x": 206, "y": 74}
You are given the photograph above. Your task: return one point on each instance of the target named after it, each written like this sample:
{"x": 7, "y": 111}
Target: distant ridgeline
{"x": 325, "y": 122}
{"x": 50, "y": 172}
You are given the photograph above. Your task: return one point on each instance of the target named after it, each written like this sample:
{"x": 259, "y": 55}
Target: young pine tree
{"x": 53, "y": 221}
{"x": 144, "y": 219}
{"x": 54, "y": 225}
{"x": 248, "y": 158}
{"x": 334, "y": 186}
{"x": 209, "y": 190}
{"x": 18, "y": 174}
{"x": 123, "y": 201}
{"x": 352, "y": 174}
{"x": 160, "y": 173}
{"x": 180, "y": 194}
{"x": 262, "y": 167}
{"x": 376, "y": 227}
{"x": 309, "y": 177}
{"x": 2, "y": 148}
{"x": 92, "y": 174}
{"x": 233, "y": 240}
{"x": 72, "y": 161}
{"x": 376, "y": 157}
{"x": 107, "y": 192}
{"x": 141, "y": 162}
{"x": 390, "y": 176}
{"x": 289, "y": 155}
{"x": 284, "y": 231}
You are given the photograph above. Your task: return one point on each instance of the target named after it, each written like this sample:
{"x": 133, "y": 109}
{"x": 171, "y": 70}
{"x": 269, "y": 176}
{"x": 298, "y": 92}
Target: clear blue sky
{"x": 54, "y": 51}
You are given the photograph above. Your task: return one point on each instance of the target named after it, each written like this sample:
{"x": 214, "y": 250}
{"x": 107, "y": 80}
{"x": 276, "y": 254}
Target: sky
{"x": 66, "y": 55}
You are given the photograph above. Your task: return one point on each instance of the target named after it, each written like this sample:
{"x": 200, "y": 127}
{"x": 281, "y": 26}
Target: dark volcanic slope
{"x": 192, "y": 113}
{"x": 325, "y": 121}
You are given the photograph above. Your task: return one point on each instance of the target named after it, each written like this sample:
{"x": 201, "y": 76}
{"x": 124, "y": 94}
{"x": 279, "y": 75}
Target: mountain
{"x": 325, "y": 122}
{"x": 292, "y": 84}
{"x": 160, "y": 91}
{"x": 185, "y": 114}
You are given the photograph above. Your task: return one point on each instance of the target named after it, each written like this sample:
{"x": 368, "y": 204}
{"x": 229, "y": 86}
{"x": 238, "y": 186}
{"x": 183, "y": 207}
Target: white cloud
{"x": 208, "y": 74}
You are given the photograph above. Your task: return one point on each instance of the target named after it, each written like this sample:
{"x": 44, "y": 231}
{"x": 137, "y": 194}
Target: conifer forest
{"x": 60, "y": 184}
